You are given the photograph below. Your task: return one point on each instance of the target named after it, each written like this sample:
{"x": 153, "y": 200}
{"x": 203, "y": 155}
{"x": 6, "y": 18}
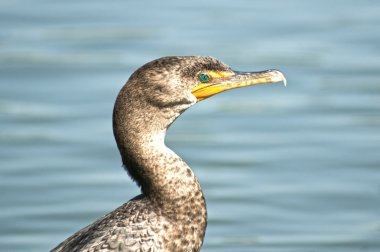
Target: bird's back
{"x": 135, "y": 226}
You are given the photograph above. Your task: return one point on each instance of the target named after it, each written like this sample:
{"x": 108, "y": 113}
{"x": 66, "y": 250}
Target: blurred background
{"x": 283, "y": 169}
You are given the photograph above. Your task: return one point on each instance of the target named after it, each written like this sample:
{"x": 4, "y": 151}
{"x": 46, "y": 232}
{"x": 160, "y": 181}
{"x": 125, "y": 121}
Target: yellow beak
{"x": 236, "y": 80}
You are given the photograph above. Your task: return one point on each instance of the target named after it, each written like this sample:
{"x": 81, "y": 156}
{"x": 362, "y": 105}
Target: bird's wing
{"x": 129, "y": 228}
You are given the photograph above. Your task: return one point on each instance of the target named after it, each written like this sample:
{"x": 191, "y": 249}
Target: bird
{"x": 170, "y": 214}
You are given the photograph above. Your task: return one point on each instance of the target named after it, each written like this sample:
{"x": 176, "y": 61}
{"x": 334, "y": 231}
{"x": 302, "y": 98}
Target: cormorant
{"x": 170, "y": 215}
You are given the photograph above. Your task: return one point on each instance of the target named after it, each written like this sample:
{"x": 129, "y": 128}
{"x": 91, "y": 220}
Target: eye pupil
{"x": 204, "y": 77}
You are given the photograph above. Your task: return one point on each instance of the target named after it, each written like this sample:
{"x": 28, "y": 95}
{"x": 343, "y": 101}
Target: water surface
{"x": 283, "y": 169}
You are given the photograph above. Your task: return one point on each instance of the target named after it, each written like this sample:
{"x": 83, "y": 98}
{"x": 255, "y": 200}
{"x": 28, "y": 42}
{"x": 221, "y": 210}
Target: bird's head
{"x": 159, "y": 91}
{"x": 183, "y": 81}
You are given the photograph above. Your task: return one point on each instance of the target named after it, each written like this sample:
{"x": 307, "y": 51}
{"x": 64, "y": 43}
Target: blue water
{"x": 283, "y": 169}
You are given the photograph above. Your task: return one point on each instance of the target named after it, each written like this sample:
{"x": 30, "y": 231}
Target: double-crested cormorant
{"x": 170, "y": 215}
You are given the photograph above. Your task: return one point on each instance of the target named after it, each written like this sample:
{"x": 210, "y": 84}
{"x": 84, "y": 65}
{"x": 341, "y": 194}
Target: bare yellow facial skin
{"x": 223, "y": 81}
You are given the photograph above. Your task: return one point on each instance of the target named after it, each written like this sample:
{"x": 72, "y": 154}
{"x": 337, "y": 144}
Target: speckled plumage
{"x": 170, "y": 214}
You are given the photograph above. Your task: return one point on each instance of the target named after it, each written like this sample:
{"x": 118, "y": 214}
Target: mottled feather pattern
{"x": 131, "y": 227}
{"x": 170, "y": 215}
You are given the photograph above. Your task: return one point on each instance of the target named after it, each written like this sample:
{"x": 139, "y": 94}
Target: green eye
{"x": 204, "y": 78}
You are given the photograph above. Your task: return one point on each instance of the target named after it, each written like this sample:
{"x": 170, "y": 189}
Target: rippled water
{"x": 283, "y": 169}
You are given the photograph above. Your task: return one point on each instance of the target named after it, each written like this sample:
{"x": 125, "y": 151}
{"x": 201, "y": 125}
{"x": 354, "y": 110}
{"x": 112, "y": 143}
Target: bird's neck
{"x": 165, "y": 179}
{"x": 163, "y": 176}
{"x": 169, "y": 183}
